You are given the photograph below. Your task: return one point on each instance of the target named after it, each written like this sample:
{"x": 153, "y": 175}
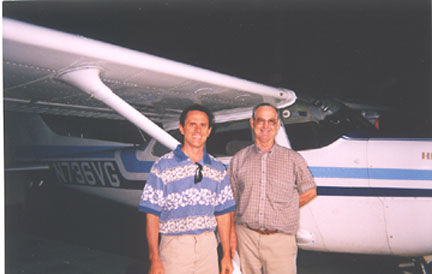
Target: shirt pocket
{"x": 280, "y": 193}
{"x": 247, "y": 179}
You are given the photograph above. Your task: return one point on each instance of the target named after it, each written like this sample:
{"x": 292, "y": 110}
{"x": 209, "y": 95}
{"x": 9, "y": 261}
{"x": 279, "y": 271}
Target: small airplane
{"x": 96, "y": 116}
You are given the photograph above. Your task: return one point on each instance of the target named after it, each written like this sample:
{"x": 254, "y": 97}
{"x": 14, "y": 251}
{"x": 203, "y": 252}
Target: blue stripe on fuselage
{"x": 132, "y": 164}
{"x": 371, "y": 173}
{"x": 373, "y": 191}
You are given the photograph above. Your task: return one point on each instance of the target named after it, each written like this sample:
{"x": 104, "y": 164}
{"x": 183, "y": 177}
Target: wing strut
{"x": 88, "y": 80}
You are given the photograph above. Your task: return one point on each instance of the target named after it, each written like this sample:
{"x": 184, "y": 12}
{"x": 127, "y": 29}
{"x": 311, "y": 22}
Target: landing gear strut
{"x": 417, "y": 266}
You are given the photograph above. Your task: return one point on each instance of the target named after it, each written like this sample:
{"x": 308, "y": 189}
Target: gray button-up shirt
{"x": 266, "y": 187}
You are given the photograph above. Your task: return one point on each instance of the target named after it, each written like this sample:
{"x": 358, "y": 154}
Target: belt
{"x": 263, "y": 231}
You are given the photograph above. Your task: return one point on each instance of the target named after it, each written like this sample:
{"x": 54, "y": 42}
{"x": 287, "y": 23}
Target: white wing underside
{"x": 35, "y": 58}
{"x": 51, "y": 72}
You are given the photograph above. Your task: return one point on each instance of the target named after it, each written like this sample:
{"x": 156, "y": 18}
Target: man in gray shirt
{"x": 270, "y": 183}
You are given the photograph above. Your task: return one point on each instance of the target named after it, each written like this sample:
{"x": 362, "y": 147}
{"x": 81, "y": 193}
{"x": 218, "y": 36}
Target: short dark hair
{"x": 264, "y": 105}
{"x": 198, "y": 107}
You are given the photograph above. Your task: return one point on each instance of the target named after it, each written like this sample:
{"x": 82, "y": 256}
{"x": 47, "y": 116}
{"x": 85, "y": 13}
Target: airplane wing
{"x": 52, "y": 72}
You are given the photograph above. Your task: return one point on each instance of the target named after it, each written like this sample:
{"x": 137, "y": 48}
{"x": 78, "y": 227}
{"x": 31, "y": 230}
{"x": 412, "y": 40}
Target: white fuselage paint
{"x": 367, "y": 223}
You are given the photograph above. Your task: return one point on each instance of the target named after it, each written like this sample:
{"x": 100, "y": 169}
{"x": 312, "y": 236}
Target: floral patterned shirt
{"x": 186, "y": 207}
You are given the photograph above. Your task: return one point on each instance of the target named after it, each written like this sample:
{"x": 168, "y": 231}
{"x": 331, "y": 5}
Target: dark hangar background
{"x": 375, "y": 52}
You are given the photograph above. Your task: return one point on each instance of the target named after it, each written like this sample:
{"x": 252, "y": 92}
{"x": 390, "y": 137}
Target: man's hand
{"x": 156, "y": 267}
{"x": 152, "y": 233}
{"x": 307, "y": 196}
{"x": 224, "y": 229}
{"x": 226, "y": 265}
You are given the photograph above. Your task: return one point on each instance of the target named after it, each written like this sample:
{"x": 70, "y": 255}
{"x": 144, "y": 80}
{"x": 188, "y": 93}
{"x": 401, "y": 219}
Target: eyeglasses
{"x": 198, "y": 173}
{"x": 260, "y": 122}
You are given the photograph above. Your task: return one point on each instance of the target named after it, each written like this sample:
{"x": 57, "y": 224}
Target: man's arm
{"x": 152, "y": 233}
{"x": 224, "y": 229}
{"x": 307, "y": 196}
{"x": 233, "y": 183}
{"x": 233, "y": 235}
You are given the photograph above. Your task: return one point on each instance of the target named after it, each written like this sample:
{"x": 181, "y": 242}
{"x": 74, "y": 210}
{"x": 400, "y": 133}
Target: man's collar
{"x": 181, "y": 156}
{"x": 258, "y": 150}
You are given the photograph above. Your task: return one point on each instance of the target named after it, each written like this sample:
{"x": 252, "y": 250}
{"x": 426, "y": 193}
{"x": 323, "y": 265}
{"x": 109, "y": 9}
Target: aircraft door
{"x": 400, "y": 176}
{"x": 345, "y": 217}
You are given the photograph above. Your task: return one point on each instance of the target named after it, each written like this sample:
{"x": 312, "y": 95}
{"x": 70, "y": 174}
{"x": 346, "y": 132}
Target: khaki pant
{"x": 189, "y": 253}
{"x": 275, "y": 253}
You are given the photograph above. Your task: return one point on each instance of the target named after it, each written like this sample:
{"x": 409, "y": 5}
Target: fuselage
{"x": 374, "y": 195}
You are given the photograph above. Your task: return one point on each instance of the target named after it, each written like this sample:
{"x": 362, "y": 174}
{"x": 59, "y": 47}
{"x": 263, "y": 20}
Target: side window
{"x": 159, "y": 149}
{"x": 316, "y": 134}
{"x": 312, "y": 135}
{"x": 228, "y": 138}
{"x": 303, "y": 135}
